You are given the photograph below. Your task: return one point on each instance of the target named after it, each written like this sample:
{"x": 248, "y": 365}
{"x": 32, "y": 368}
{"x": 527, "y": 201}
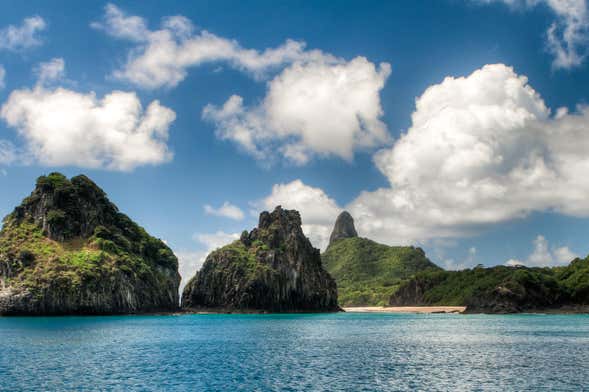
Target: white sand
{"x": 406, "y": 309}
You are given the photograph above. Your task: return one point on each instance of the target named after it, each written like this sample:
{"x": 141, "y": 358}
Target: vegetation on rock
{"x": 67, "y": 249}
{"x": 272, "y": 268}
{"x": 368, "y": 273}
{"x": 500, "y": 289}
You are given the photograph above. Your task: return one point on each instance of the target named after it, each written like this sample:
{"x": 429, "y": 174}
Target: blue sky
{"x": 177, "y": 109}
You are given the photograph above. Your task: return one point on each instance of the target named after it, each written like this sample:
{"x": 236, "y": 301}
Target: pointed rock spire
{"x": 344, "y": 228}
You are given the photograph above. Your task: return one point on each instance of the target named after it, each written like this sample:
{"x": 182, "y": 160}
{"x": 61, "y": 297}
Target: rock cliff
{"x": 68, "y": 250}
{"x": 272, "y": 268}
{"x": 343, "y": 228}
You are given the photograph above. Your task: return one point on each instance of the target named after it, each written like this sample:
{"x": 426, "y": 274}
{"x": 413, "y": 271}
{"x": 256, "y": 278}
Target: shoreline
{"x": 564, "y": 310}
{"x": 406, "y": 309}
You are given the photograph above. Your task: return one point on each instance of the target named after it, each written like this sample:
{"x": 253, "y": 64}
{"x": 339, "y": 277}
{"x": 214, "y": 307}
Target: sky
{"x": 456, "y": 125}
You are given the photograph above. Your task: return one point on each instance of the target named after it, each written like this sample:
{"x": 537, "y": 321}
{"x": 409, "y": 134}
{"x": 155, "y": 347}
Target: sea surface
{"x": 302, "y": 352}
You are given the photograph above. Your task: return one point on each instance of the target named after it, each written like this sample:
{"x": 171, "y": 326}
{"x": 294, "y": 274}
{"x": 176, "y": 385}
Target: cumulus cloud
{"x": 312, "y": 108}
{"x": 545, "y": 256}
{"x": 481, "y": 149}
{"x": 63, "y": 127}
{"x": 161, "y": 57}
{"x": 50, "y": 71}
{"x": 318, "y": 104}
{"x": 226, "y": 210}
{"x": 2, "y": 77}
{"x": 567, "y": 37}
{"x": 7, "y": 152}
{"x": 318, "y": 211}
{"x": 22, "y": 37}
{"x": 469, "y": 262}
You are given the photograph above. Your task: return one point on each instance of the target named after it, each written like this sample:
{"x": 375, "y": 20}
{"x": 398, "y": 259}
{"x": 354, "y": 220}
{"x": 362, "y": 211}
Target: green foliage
{"x": 367, "y": 273}
{"x": 533, "y": 286}
{"x": 575, "y": 278}
{"x": 55, "y": 217}
{"x": 52, "y": 181}
{"x": 116, "y": 243}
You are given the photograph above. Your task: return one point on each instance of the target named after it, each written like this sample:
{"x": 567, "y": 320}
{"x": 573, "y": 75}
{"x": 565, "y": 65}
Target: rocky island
{"x": 68, "y": 250}
{"x": 273, "y": 268}
{"x": 368, "y": 273}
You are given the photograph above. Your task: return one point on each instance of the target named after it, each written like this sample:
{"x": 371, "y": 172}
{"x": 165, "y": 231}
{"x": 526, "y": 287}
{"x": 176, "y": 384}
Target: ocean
{"x": 296, "y": 352}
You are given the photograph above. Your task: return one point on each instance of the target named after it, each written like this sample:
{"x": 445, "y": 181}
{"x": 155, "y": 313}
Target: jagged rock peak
{"x": 66, "y": 209}
{"x": 274, "y": 267}
{"x": 343, "y": 228}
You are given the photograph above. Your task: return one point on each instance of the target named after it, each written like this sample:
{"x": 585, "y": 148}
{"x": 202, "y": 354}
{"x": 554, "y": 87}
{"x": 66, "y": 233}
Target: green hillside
{"x": 499, "y": 289}
{"x": 367, "y": 273}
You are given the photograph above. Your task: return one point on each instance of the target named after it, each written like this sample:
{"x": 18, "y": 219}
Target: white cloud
{"x": 469, "y": 262}
{"x": 2, "y": 77}
{"x": 162, "y": 57}
{"x": 544, "y": 256}
{"x": 481, "y": 149}
{"x": 191, "y": 261}
{"x": 188, "y": 263}
{"x": 309, "y": 109}
{"x": 318, "y": 211}
{"x": 216, "y": 240}
{"x": 50, "y": 71}
{"x": 7, "y": 152}
{"x": 119, "y": 25}
{"x": 567, "y": 37}
{"x": 63, "y": 127}
{"x": 226, "y": 210}
{"x": 24, "y": 36}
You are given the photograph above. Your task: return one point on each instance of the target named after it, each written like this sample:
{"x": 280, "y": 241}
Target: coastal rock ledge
{"x": 68, "y": 250}
{"x": 273, "y": 268}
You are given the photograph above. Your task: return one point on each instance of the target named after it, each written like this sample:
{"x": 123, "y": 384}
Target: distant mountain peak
{"x": 343, "y": 228}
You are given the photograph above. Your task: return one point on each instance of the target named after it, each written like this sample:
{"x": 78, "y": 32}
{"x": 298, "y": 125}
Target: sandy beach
{"x": 406, "y": 309}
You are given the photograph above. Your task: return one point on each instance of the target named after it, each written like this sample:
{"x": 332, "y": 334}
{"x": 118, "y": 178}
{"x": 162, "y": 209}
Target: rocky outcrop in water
{"x": 343, "y": 228}
{"x": 272, "y": 268}
{"x": 68, "y": 250}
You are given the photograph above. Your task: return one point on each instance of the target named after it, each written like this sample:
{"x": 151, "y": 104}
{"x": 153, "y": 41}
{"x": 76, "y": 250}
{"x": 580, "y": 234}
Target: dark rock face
{"x": 272, "y": 268}
{"x": 68, "y": 250}
{"x": 344, "y": 228}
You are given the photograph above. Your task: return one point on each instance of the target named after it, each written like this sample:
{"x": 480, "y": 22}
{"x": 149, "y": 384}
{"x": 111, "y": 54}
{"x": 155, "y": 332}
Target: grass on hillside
{"x": 368, "y": 273}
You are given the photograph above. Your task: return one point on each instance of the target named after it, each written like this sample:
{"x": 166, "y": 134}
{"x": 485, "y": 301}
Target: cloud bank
{"x": 481, "y": 149}
{"x": 317, "y": 104}
{"x": 545, "y": 256}
{"x": 162, "y": 57}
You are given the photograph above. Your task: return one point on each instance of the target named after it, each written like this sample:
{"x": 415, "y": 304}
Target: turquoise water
{"x": 353, "y": 352}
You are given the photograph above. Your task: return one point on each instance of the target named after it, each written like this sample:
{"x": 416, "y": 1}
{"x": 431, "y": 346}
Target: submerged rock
{"x": 343, "y": 228}
{"x": 68, "y": 250}
{"x": 272, "y": 268}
